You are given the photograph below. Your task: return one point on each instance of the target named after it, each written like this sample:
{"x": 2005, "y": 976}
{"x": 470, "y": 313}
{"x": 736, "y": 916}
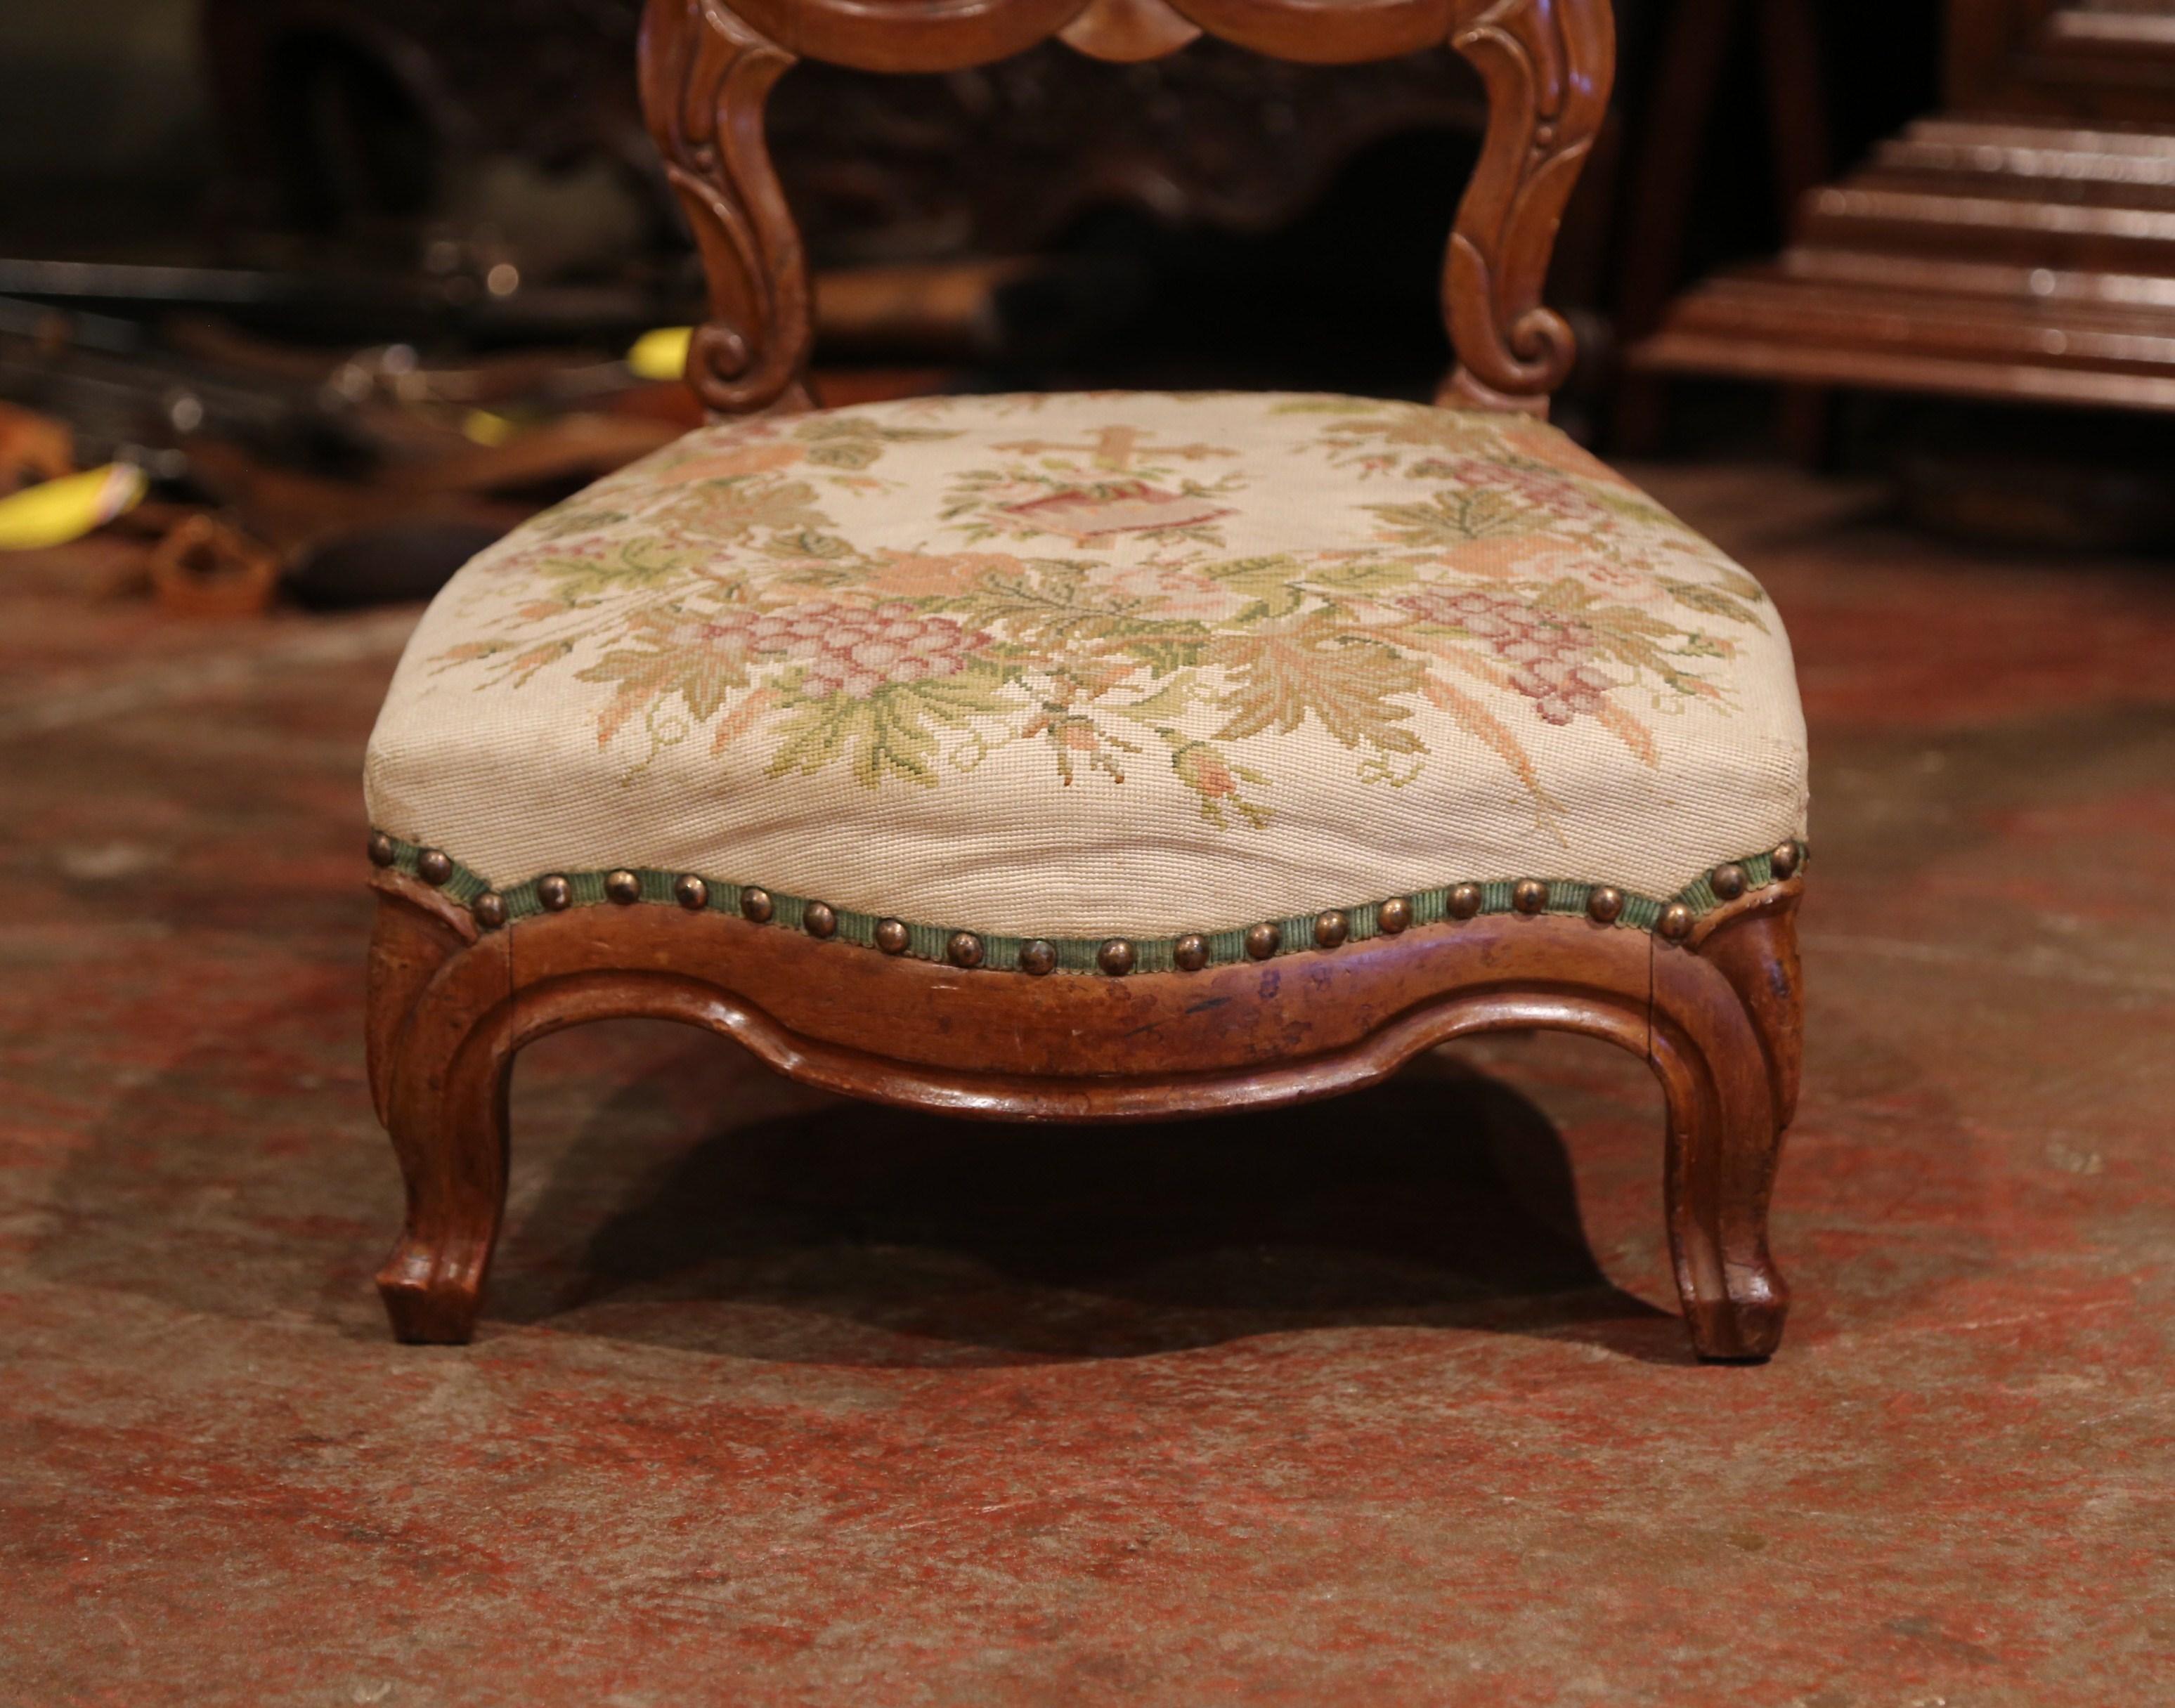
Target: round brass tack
{"x": 817, "y": 919}
{"x": 1190, "y": 952}
{"x": 964, "y": 950}
{"x": 1037, "y": 958}
{"x": 1264, "y": 940}
{"x": 434, "y": 866}
{"x": 1729, "y": 881}
{"x": 490, "y": 909}
{"x": 1465, "y": 901}
{"x": 623, "y": 887}
{"x": 890, "y": 937}
{"x": 756, "y": 905}
{"x": 1117, "y": 957}
{"x": 556, "y": 893}
{"x": 1330, "y": 930}
{"x": 1529, "y": 895}
{"x": 1676, "y": 922}
{"x": 381, "y": 848}
{"x": 1394, "y": 916}
{"x": 1605, "y": 905}
{"x": 690, "y": 892}
{"x": 1786, "y": 860}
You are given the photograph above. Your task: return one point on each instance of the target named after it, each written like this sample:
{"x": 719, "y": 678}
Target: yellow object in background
{"x": 661, "y": 355}
{"x": 57, "y": 511}
{"x": 484, "y": 427}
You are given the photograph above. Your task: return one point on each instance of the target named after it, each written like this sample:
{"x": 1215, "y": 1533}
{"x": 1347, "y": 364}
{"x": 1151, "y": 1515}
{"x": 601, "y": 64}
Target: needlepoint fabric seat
{"x": 1084, "y": 666}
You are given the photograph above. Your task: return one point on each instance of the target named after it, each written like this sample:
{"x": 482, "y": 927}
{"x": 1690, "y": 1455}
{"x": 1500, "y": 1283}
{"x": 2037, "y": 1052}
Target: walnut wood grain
{"x": 1003, "y": 1046}
{"x": 1128, "y": 32}
{"x": 708, "y": 70}
{"x": 1547, "y": 66}
{"x": 705, "y": 77}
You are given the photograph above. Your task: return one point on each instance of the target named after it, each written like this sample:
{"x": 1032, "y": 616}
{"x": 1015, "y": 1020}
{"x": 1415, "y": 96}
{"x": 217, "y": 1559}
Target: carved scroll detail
{"x": 1548, "y": 65}
{"x": 1126, "y": 32}
{"x": 705, "y": 77}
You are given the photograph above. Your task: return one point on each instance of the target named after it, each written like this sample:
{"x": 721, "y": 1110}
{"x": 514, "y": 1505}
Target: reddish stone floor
{"x": 778, "y": 1400}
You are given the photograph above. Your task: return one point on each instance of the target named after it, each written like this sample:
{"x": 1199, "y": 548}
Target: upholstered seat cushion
{"x": 1099, "y": 664}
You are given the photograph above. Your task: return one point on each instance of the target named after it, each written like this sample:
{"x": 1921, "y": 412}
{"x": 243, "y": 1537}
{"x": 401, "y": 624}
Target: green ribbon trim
{"x": 1078, "y": 954}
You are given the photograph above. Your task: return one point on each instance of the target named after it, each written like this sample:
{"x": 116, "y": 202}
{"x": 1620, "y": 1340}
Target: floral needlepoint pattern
{"x": 1256, "y": 628}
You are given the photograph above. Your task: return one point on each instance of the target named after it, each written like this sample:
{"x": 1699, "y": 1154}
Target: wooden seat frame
{"x": 1715, "y": 1010}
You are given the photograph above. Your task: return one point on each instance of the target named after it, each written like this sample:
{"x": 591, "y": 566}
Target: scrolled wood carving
{"x": 1126, "y": 32}
{"x": 705, "y": 77}
{"x": 1548, "y": 65}
{"x": 706, "y": 71}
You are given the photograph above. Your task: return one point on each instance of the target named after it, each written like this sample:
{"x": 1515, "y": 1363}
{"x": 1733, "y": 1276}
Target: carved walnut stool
{"x": 1099, "y": 757}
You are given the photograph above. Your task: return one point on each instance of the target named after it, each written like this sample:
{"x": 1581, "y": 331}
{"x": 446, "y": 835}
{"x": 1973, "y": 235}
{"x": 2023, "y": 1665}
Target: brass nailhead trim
{"x": 1676, "y": 921}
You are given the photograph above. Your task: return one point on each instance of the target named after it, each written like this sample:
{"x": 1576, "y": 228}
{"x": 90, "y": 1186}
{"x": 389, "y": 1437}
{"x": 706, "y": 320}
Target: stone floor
{"x": 779, "y": 1400}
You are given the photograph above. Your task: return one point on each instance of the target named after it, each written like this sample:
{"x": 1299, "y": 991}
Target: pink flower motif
{"x": 1558, "y": 494}
{"x": 1173, "y": 593}
{"x": 854, "y": 649}
{"x": 1550, "y": 655}
{"x": 1620, "y": 582}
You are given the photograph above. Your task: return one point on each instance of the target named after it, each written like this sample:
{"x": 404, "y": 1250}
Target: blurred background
{"x": 354, "y": 283}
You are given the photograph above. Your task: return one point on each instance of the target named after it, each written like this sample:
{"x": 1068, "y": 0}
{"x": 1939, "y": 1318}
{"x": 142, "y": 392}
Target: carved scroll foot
{"x": 1726, "y": 1021}
{"x": 452, "y": 1157}
{"x": 441, "y": 1030}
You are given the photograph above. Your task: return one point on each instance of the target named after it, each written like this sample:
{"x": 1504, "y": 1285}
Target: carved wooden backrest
{"x": 708, "y": 68}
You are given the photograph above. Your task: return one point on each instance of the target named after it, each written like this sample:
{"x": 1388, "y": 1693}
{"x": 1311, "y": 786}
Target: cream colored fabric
{"x": 1101, "y": 663}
